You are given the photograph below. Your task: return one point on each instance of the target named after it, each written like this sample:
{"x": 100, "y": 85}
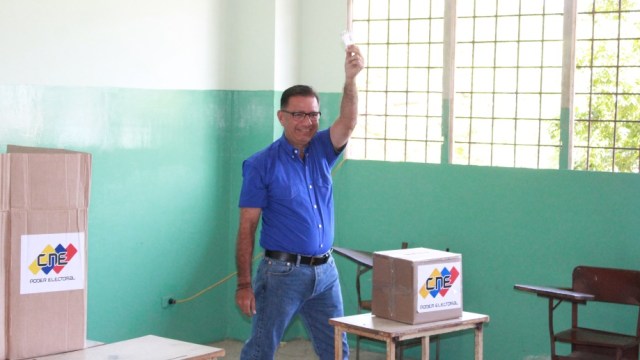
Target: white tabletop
{"x": 148, "y": 347}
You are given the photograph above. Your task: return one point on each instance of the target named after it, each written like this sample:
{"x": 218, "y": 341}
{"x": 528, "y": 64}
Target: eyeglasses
{"x": 299, "y": 115}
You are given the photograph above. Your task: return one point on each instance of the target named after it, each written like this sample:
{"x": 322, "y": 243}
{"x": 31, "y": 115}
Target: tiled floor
{"x": 291, "y": 350}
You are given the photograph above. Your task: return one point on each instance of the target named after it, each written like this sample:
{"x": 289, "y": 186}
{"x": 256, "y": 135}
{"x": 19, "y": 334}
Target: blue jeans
{"x": 283, "y": 290}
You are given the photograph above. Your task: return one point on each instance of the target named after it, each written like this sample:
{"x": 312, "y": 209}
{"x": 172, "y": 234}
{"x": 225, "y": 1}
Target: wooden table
{"x": 391, "y": 332}
{"x": 148, "y": 347}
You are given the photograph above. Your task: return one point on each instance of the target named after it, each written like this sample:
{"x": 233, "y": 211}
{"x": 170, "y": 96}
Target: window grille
{"x": 607, "y": 87}
{"x": 524, "y": 86}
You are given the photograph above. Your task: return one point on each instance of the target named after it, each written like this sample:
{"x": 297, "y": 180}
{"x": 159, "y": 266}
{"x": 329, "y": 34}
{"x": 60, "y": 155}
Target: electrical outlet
{"x": 165, "y": 301}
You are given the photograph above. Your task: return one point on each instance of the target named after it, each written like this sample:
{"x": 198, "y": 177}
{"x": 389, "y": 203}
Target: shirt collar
{"x": 290, "y": 149}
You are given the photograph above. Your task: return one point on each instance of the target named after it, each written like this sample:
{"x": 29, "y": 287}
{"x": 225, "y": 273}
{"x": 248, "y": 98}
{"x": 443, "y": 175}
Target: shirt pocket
{"x": 282, "y": 188}
{"x": 281, "y": 192}
{"x": 323, "y": 184}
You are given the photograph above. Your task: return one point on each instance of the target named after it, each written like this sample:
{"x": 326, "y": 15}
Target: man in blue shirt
{"x": 288, "y": 185}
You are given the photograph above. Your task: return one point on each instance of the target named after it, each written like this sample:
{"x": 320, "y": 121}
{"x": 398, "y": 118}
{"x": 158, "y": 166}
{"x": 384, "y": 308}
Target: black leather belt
{"x": 298, "y": 259}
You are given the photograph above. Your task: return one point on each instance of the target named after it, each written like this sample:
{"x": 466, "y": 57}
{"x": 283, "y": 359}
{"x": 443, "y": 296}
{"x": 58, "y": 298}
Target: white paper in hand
{"x": 347, "y": 38}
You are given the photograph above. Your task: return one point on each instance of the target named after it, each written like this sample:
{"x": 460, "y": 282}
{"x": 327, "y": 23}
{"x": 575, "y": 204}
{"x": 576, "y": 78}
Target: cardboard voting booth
{"x": 417, "y": 285}
{"x": 44, "y": 198}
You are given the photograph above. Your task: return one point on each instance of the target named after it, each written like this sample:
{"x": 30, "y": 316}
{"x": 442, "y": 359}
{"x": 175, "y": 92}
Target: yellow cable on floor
{"x": 225, "y": 279}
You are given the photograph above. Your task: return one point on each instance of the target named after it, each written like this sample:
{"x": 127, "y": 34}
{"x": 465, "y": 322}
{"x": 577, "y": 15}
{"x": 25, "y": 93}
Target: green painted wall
{"x": 163, "y": 196}
{"x": 510, "y": 225}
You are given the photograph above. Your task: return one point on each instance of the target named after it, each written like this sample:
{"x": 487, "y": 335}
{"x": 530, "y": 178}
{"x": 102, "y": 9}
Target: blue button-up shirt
{"x": 295, "y": 195}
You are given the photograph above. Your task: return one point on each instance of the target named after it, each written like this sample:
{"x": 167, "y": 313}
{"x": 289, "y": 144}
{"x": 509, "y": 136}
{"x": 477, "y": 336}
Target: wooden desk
{"x": 391, "y": 332}
{"x": 148, "y": 347}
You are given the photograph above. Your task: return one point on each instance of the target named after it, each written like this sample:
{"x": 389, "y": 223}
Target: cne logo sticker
{"x": 439, "y": 287}
{"x": 53, "y": 259}
{"x": 47, "y": 265}
{"x": 439, "y": 282}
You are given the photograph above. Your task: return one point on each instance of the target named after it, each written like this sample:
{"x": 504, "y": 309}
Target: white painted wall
{"x": 287, "y": 45}
{"x": 124, "y": 43}
{"x": 321, "y": 49}
{"x": 249, "y": 35}
{"x": 172, "y": 44}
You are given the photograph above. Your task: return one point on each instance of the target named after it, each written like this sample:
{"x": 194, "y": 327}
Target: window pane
{"x": 504, "y": 131}
{"x": 550, "y": 106}
{"x": 503, "y": 155}
{"x": 480, "y": 154}
{"x": 626, "y": 160}
{"x": 582, "y": 80}
{"x": 527, "y": 156}
{"x": 483, "y": 55}
{"x": 506, "y": 80}
{"x": 552, "y": 53}
{"x": 376, "y": 103}
{"x": 506, "y": 106}
{"x": 553, "y": 26}
{"x": 530, "y": 54}
{"x": 549, "y": 157}
{"x": 607, "y": 25}
{"x": 434, "y": 129}
{"x": 481, "y": 130}
{"x": 529, "y": 80}
{"x": 483, "y": 80}
{"x": 397, "y": 103}
{"x": 507, "y": 54}
{"x": 464, "y": 28}
{"x": 417, "y": 128}
{"x": 375, "y": 127}
{"x": 418, "y": 79}
{"x": 437, "y": 30}
{"x": 528, "y": 106}
{"x": 462, "y": 130}
{"x": 375, "y": 149}
{"x": 464, "y": 55}
{"x": 378, "y": 32}
{"x": 356, "y": 149}
{"x": 397, "y": 79}
{"x": 552, "y": 80}
{"x": 394, "y": 150}
{"x": 398, "y": 31}
{"x": 419, "y": 55}
{"x": 434, "y": 153}
{"x": 396, "y": 127}
{"x": 550, "y": 134}
{"x": 508, "y": 7}
{"x": 629, "y": 25}
{"x": 376, "y": 79}
{"x": 399, "y": 9}
{"x": 528, "y": 132}
{"x": 435, "y": 79}
{"x": 398, "y": 55}
{"x": 377, "y": 56}
{"x": 507, "y": 28}
{"x": 482, "y": 105}
{"x": 416, "y": 151}
{"x": 419, "y": 9}
{"x": 600, "y": 159}
{"x": 485, "y": 29}
{"x": 532, "y": 26}
{"x": 419, "y": 31}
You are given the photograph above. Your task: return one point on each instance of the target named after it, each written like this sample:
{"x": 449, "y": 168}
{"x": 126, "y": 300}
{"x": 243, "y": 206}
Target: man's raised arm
{"x": 345, "y": 123}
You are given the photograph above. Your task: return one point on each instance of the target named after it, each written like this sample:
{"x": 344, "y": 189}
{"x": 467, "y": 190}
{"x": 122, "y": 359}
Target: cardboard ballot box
{"x": 417, "y": 285}
{"x": 44, "y": 198}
